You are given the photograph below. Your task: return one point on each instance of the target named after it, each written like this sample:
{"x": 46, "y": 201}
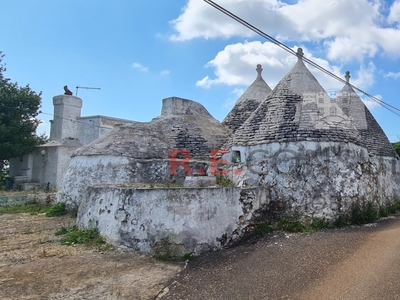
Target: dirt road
{"x": 351, "y": 263}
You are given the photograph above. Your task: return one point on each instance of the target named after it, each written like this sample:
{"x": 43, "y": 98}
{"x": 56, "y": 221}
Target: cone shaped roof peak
{"x": 370, "y": 131}
{"x": 258, "y": 90}
{"x": 299, "y": 79}
{"x": 298, "y": 109}
{"x": 255, "y": 94}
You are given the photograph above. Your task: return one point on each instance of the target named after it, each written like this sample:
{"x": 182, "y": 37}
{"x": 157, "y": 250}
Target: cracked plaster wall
{"x": 318, "y": 179}
{"x": 179, "y": 220}
{"x": 86, "y": 171}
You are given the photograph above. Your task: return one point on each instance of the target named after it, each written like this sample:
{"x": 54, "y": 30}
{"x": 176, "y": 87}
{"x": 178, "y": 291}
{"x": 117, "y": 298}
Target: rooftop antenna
{"x": 84, "y": 87}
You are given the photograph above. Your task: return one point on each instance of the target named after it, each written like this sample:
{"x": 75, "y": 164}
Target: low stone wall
{"x": 172, "y": 221}
{"x": 19, "y": 199}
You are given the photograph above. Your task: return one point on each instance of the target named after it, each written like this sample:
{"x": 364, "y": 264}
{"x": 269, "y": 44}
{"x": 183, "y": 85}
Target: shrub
{"x": 74, "y": 235}
{"x": 263, "y": 228}
{"x": 56, "y": 210}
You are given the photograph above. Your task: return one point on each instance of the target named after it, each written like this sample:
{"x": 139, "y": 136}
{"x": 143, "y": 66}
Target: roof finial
{"x": 300, "y": 53}
{"x": 259, "y": 70}
{"x": 347, "y": 77}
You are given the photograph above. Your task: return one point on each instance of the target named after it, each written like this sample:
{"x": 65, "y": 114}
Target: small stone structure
{"x": 292, "y": 151}
{"x": 47, "y": 164}
{"x": 172, "y": 146}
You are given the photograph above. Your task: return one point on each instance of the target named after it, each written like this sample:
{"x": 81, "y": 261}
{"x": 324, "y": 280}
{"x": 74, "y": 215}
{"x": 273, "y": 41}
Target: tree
{"x": 19, "y": 108}
{"x": 396, "y": 147}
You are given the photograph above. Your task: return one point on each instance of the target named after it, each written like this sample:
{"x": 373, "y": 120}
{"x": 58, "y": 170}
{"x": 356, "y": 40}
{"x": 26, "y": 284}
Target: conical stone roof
{"x": 371, "y": 132}
{"x": 183, "y": 124}
{"x": 248, "y": 102}
{"x": 298, "y": 109}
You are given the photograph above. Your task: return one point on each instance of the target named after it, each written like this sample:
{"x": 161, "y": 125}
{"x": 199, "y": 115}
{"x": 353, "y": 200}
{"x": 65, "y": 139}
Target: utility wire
{"x": 389, "y": 107}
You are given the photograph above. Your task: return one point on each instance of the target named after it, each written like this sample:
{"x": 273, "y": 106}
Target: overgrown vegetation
{"x": 359, "y": 215}
{"x": 56, "y": 210}
{"x": 89, "y": 237}
{"x": 19, "y": 107}
{"x": 31, "y": 207}
{"x": 224, "y": 181}
{"x": 396, "y": 147}
{"x": 3, "y": 178}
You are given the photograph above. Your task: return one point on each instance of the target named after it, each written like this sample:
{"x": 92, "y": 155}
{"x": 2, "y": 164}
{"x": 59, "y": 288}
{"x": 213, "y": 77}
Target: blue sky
{"x": 139, "y": 52}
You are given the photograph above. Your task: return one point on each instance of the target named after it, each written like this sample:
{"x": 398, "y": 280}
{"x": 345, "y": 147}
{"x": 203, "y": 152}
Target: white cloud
{"x": 365, "y": 76}
{"x": 139, "y": 67}
{"x": 394, "y": 75}
{"x": 236, "y": 64}
{"x": 204, "y": 83}
{"x": 394, "y": 15}
{"x": 348, "y": 29}
{"x": 371, "y": 104}
{"x": 165, "y": 72}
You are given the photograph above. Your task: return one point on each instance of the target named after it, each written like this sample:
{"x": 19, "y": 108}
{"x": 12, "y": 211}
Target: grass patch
{"x": 188, "y": 257}
{"x": 74, "y": 235}
{"x": 56, "y": 210}
{"x": 89, "y": 237}
{"x": 292, "y": 225}
{"x": 31, "y": 207}
{"x": 358, "y": 215}
{"x": 364, "y": 214}
{"x": 263, "y": 228}
{"x": 224, "y": 181}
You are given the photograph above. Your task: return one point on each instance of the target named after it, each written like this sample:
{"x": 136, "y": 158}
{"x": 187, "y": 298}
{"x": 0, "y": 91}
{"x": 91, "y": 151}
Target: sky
{"x": 139, "y": 52}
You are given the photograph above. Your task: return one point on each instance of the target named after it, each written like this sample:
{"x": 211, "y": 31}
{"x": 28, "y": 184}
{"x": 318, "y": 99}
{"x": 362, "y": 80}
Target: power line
{"x": 291, "y": 51}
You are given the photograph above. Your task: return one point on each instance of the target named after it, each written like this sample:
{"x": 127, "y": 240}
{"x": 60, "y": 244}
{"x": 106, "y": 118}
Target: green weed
{"x": 341, "y": 221}
{"x": 74, "y": 235}
{"x": 56, "y": 210}
{"x": 263, "y": 228}
{"x": 188, "y": 257}
{"x": 363, "y": 214}
{"x": 31, "y": 207}
{"x": 224, "y": 181}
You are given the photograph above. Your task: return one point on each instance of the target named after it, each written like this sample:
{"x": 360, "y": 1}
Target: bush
{"x": 363, "y": 214}
{"x": 263, "y": 228}
{"x": 56, "y": 210}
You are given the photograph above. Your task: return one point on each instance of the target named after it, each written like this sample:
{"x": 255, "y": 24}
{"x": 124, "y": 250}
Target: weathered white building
{"x": 292, "y": 151}
{"x": 316, "y": 155}
{"x": 168, "y": 149}
{"x": 47, "y": 164}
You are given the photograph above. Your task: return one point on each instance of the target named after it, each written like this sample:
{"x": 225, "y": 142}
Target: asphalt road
{"x": 350, "y": 263}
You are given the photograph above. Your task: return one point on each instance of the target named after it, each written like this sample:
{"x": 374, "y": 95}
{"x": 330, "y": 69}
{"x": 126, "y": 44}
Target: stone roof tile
{"x": 248, "y": 102}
